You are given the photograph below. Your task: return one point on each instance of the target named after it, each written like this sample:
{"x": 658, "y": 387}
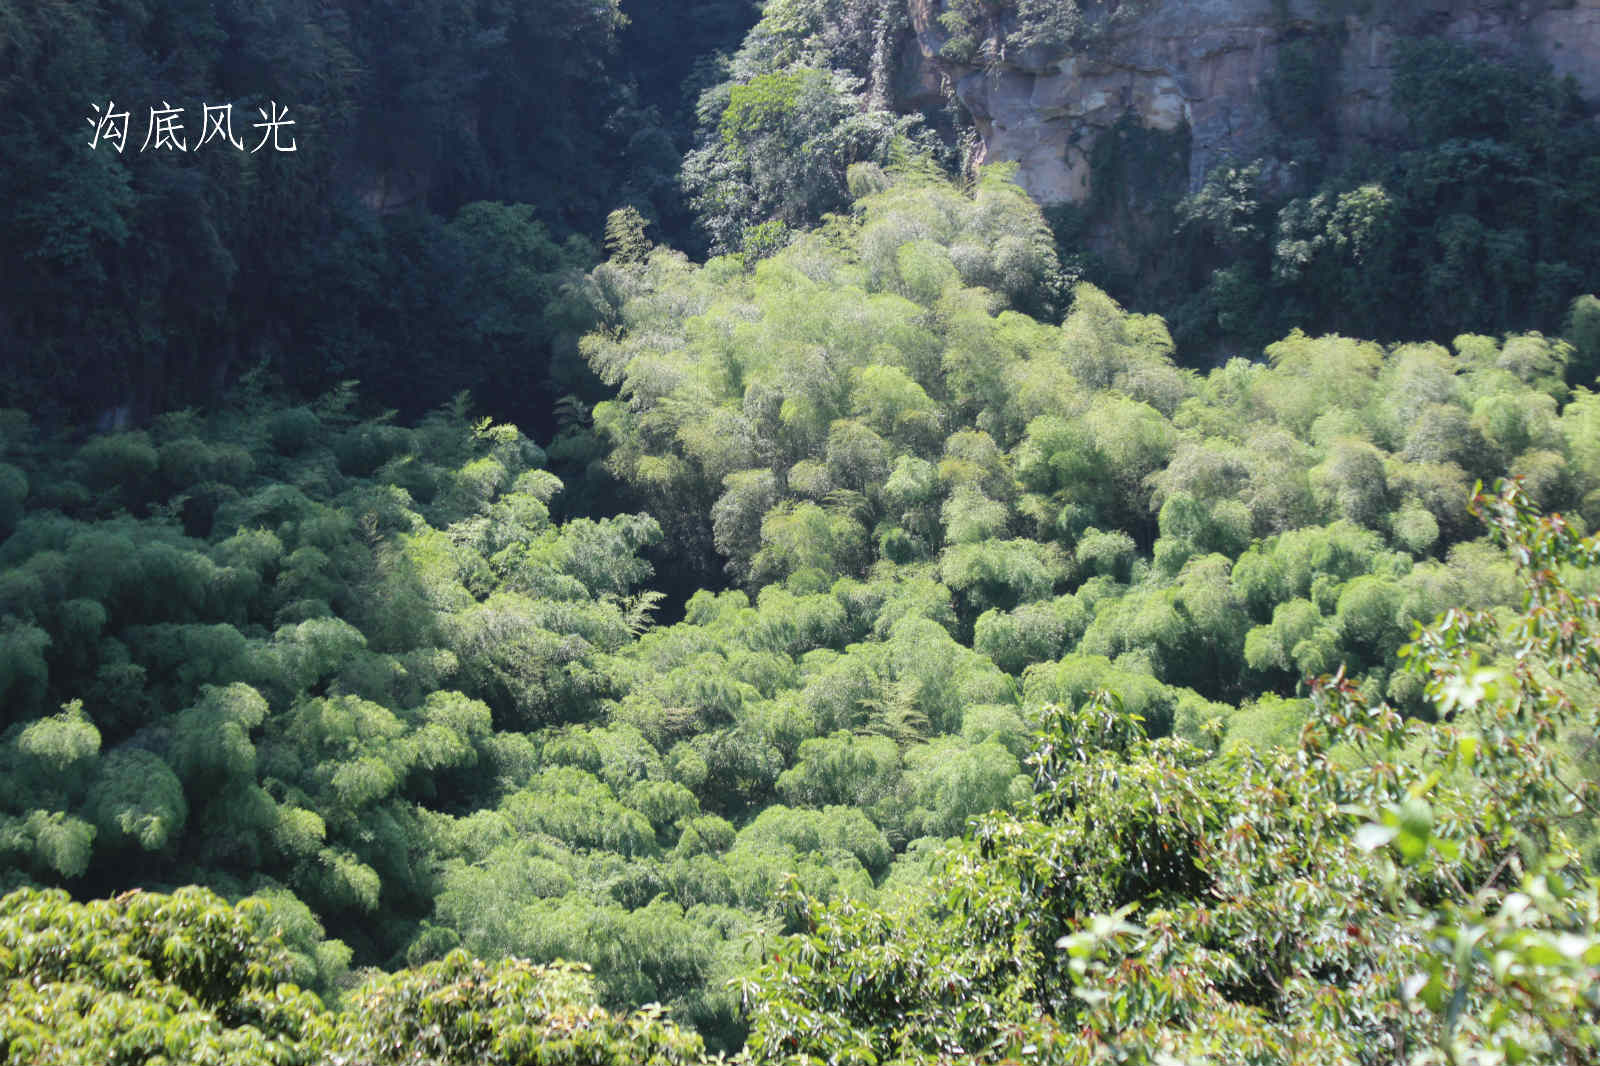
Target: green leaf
{"x": 1372, "y": 836}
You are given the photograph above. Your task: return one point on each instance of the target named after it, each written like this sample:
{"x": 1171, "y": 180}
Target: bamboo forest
{"x": 800, "y": 532}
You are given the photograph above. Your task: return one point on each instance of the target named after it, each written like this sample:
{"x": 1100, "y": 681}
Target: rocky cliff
{"x": 1204, "y": 70}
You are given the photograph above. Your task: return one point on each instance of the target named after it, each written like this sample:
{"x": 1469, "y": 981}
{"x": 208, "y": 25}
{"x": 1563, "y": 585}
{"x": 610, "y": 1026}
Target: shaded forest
{"x": 697, "y": 572}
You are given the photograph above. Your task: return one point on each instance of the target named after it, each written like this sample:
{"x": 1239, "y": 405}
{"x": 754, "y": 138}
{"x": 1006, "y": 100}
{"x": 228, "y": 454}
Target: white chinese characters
{"x": 112, "y": 126}
{"x": 273, "y": 124}
{"x": 165, "y": 126}
{"x": 165, "y": 130}
{"x": 216, "y": 120}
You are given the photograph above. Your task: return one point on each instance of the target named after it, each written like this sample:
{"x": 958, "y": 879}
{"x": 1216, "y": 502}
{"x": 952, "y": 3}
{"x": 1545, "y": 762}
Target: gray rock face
{"x": 1205, "y": 63}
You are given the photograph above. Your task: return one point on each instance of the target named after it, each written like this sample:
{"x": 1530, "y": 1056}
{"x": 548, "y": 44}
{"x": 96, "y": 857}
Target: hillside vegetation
{"x": 869, "y": 641}
{"x": 974, "y": 562}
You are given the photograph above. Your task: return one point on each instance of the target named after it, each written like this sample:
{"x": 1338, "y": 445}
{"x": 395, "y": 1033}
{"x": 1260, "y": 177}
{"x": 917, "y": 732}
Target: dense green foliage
{"x": 1069, "y": 489}
{"x": 1378, "y": 893}
{"x": 807, "y": 95}
{"x": 188, "y": 978}
{"x": 1484, "y": 202}
{"x": 1018, "y": 691}
{"x": 261, "y": 612}
{"x": 1483, "y": 218}
{"x": 358, "y": 671}
{"x": 144, "y": 280}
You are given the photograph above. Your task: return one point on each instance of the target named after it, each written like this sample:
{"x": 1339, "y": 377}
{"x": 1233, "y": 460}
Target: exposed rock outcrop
{"x": 1204, "y": 66}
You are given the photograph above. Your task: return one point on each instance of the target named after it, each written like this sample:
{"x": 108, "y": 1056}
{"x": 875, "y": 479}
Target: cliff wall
{"x": 1204, "y": 68}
